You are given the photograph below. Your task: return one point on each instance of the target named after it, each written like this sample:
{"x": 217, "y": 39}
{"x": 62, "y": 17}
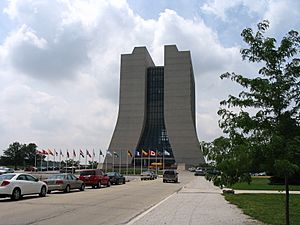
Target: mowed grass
{"x": 262, "y": 183}
{"x": 267, "y": 208}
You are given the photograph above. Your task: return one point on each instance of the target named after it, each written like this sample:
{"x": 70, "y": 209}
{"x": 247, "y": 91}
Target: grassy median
{"x": 268, "y": 208}
{"x": 262, "y": 183}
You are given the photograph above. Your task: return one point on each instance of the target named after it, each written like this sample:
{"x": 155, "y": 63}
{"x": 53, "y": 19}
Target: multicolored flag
{"x": 129, "y": 153}
{"x": 74, "y": 153}
{"x": 87, "y": 152}
{"x": 38, "y": 152}
{"x": 81, "y": 153}
{"x": 152, "y": 153}
{"x": 144, "y": 153}
{"x": 50, "y": 152}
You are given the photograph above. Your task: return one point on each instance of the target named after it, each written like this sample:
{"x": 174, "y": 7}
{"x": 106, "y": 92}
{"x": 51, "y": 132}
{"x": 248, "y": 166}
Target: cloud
{"x": 61, "y": 63}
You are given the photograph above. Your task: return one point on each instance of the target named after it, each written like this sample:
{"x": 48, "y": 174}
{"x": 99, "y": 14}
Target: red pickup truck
{"x": 94, "y": 178}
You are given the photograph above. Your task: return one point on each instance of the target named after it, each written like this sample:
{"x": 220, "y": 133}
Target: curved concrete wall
{"x": 180, "y": 106}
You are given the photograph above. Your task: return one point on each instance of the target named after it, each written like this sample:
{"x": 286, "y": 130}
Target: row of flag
{"x": 143, "y": 152}
{"x": 60, "y": 153}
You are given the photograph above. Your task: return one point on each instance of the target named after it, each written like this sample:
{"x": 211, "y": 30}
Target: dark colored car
{"x": 94, "y": 178}
{"x": 64, "y": 182}
{"x": 170, "y": 175}
{"x": 200, "y": 172}
{"x": 116, "y": 178}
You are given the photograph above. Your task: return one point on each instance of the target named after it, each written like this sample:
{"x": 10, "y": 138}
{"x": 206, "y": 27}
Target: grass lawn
{"x": 267, "y": 208}
{"x": 262, "y": 183}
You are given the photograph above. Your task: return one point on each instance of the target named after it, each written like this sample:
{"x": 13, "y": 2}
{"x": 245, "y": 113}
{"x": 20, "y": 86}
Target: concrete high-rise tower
{"x": 156, "y": 120}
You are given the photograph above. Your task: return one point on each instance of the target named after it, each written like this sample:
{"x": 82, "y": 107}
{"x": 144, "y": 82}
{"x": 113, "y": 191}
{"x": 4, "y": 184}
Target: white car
{"x": 15, "y": 185}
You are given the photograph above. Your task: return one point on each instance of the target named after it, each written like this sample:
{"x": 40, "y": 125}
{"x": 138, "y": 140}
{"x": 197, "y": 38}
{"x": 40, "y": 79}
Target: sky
{"x": 60, "y": 60}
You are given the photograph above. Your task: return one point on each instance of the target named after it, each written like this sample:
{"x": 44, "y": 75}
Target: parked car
{"x": 147, "y": 175}
{"x": 94, "y": 178}
{"x": 154, "y": 174}
{"x": 64, "y": 182}
{"x": 192, "y": 169}
{"x": 170, "y": 175}
{"x": 15, "y": 185}
{"x": 200, "y": 172}
{"x": 116, "y": 178}
{"x": 4, "y": 170}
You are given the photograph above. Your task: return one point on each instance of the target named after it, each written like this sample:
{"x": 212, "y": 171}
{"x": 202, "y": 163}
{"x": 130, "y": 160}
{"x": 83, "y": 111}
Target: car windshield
{"x": 6, "y": 176}
{"x": 57, "y": 177}
{"x": 169, "y": 172}
{"x": 111, "y": 174}
{"x": 89, "y": 172}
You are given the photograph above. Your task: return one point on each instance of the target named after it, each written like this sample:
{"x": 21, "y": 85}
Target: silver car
{"x": 64, "y": 182}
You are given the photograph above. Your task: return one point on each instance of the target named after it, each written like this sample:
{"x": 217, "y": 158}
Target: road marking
{"x": 138, "y": 217}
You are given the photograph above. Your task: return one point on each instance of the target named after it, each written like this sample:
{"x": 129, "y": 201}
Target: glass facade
{"x": 154, "y": 140}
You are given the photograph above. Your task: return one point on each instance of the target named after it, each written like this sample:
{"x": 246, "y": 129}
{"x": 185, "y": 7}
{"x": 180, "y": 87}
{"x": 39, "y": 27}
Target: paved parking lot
{"x": 191, "y": 201}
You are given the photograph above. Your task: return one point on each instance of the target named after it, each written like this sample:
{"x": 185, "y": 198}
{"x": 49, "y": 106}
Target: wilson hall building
{"x": 156, "y": 120}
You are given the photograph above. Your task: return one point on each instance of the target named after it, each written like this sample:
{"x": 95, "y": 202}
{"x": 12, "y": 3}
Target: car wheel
{"x": 16, "y": 195}
{"x": 82, "y": 187}
{"x": 124, "y": 181}
{"x": 164, "y": 181}
{"x": 67, "y": 189}
{"x": 43, "y": 192}
{"x": 108, "y": 184}
{"x": 99, "y": 184}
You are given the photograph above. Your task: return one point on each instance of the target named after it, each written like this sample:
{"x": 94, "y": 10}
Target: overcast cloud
{"x": 59, "y": 77}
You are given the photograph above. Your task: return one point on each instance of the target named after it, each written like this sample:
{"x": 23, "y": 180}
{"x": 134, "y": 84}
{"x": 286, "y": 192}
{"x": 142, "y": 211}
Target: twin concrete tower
{"x": 156, "y": 120}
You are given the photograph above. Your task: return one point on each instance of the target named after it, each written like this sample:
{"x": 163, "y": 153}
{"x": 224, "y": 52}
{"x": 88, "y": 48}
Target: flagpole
{"x": 59, "y": 159}
{"x": 79, "y": 159}
{"x": 127, "y": 165}
{"x": 41, "y": 161}
{"x": 35, "y": 159}
{"x": 141, "y": 162}
{"x": 163, "y": 159}
{"x": 54, "y": 160}
{"x": 156, "y": 159}
{"x": 67, "y": 161}
{"x": 148, "y": 158}
{"x": 106, "y": 162}
{"x": 85, "y": 158}
{"x": 120, "y": 161}
{"x": 113, "y": 168}
{"x": 134, "y": 164}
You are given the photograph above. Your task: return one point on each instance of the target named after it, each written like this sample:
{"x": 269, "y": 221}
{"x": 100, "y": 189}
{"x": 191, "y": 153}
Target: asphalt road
{"x": 117, "y": 204}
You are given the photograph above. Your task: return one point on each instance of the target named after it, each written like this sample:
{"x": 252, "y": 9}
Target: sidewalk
{"x": 197, "y": 203}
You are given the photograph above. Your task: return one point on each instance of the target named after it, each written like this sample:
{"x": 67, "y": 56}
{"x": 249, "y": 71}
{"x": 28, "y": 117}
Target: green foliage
{"x": 19, "y": 155}
{"x": 267, "y": 208}
{"x": 262, "y": 122}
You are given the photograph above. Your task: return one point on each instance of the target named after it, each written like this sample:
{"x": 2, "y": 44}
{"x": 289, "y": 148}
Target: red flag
{"x": 39, "y": 152}
{"x": 44, "y": 152}
{"x": 152, "y": 153}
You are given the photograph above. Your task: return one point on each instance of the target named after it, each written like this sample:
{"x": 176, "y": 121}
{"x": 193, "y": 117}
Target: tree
{"x": 262, "y": 122}
{"x": 14, "y": 155}
{"x": 19, "y": 155}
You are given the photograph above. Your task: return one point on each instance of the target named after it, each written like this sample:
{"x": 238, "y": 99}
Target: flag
{"x": 93, "y": 153}
{"x": 44, "y": 152}
{"x": 138, "y": 153}
{"x": 152, "y": 153}
{"x": 81, "y": 153}
{"x": 108, "y": 153}
{"x": 129, "y": 153}
{"x": 101, "y": 152}
{"x": 144, "y": 153}
{"x": 55, "y": 152}
{"x": 74, "y": 153}
{"x": 166, "y": 153}
{"x": 50, "y": 152}
{"x": 39, "y": 152}
{"x": 68, "y": 154}
{"x": 87, "y": 152}
{"x": 60, "y": 152}
{"x": 116, "y": 154}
